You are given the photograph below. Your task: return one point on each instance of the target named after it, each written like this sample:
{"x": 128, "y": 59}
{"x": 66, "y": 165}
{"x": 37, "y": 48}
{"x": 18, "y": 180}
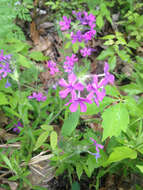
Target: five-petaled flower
{"x": 95, "y": 91}
{"x": 38, "y": 96}
{"x": 78, "y": 101}
{"x": 65, "y": 24}
{"x": 71, "y": 86}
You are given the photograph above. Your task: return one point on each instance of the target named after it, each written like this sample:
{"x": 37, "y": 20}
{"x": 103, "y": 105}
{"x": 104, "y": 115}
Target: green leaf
{"x": 7, "y": 161}
{"x": 121, "y": 153}
{"x": 53, "y": 139}
{"x": 112, "y": 62}
{"x": 75, "y": 47}
{"x": 115, "y": 120}
{"x": 108, "y": 52}
{"x": 132, "y": 106}
{"x": 37, "y": 56}
{"x": 11, "y": 111}
{"x": 75, "y": 186}
{"x": 3, "y": 99}
{"x": 131, "y": 89}
{"x": 79, "y": 170}
{"x": 133, "y": 44}
{"x": 112, "y": 91}
{"x": 23, "y": 61}
{"x": 123, "y": 55}
{"x": 94, "y": 109}
{"x": 100, "y": 21}
{"x": 108, "y": 37}
{"x": 47, "y": 127}
{"x": 41, "y": 139}
{"x": 70, "y": 123}
{"x": 140, "y": 167}
{"x": 68, "y": 44}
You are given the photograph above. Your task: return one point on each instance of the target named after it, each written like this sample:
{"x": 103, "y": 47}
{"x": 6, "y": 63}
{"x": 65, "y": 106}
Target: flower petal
{"x": 73, "y": 107}
{"x": 83, "y": 107}
{"x": 63, "y": 83}
{"x": 72, "y": 78}
{"x": 64, "y": 93}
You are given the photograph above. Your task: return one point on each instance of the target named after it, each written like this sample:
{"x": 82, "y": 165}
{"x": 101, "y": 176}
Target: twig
{"x": 9, "y": 145}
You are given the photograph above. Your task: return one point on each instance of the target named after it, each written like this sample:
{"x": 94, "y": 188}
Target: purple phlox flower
{"x": 94, "y": 88}
{"x": 38, "y": 96}
{"x": 65, "y": 24}
{"x": 4, "y": 70}
{"x": 84, "y": 18}
{"x": 72, "y": 59}
{"x": 52, "y": 66}
{"x": 69, "y": 63}
{"x": 78, "y": 102}
{"x": 4, "y": 57}
{"x": 96, "y": 144}
{"x": 91, "y": 20}
{"x": 109, "y": 78}
{"x": 17, "y": 127}
{"x": 89, "y": 35}
{"x": 71, "y": 86}
{"x": 86, "y": 51}
{"x": 7, "y": 84}
{"x": 78, "y": 37}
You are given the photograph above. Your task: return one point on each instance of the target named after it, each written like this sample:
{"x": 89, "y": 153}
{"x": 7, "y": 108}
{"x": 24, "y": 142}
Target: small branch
{"x": 9, "y": 145}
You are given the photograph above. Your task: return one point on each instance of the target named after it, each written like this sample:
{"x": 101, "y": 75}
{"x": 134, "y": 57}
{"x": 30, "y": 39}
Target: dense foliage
{"x": 89, "y": 119}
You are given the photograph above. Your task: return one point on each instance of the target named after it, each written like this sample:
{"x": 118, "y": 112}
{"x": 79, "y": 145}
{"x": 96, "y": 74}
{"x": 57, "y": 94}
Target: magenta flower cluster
{"x": 52, "y": 66}
{"x": 84, "y": 32}
{"x": 5, "y": 67}
{"x": 69, "y": 63}
{"x": 98, "y": 146}
{"x": 95, "y": 90}
{"x": 79, "y": 93}
{"x": 88, "y": 23}
{"x": 38, "y": 96}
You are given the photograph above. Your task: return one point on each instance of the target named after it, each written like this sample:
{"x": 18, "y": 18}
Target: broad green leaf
{"x": 140, "y": 167}
{"x": 132, "y": 89}
{"x": 99, "y": 21}
{"x": 121, "y": 153}
{"x": 79, "y": 169}
{"x": 41, "y": 139}
{"x": 112, "y": 91}
{"x": 115, "y": 120}
{"x": 53, "y": 139}
{"x": 70, "y": 123}
{"x": 3, "y": 99}
{"x": 132, "y": 106}
{"x": 94, "y": 109}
